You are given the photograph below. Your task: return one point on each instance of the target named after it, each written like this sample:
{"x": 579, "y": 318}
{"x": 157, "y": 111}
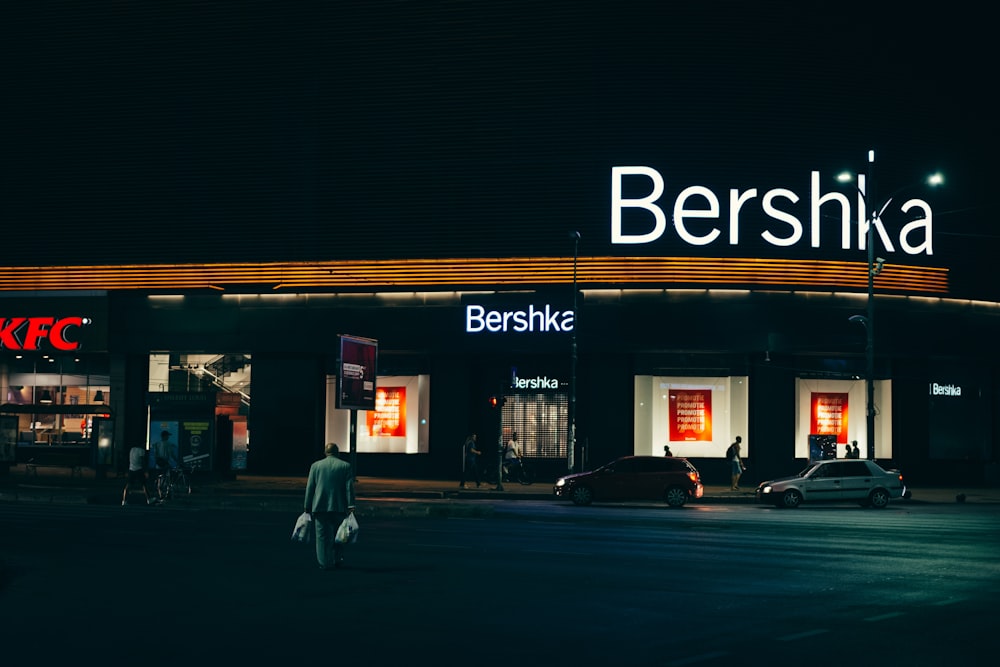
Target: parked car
{"x": 836, "y": 480}
{"x": 658, "y": 478}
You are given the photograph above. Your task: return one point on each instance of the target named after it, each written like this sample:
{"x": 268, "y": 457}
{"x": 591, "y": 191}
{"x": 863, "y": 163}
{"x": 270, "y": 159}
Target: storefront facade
{"x": 247, "y": 381}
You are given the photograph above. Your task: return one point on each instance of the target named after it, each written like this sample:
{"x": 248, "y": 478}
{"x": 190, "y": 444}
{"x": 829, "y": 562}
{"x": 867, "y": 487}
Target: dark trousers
{"x": 328, "y": 552}
{"x": 471, "y": 467}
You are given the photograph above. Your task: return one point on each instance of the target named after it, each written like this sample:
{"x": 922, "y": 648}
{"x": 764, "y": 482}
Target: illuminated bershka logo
{"x": 698, "y": 217}
{"x": 29, "y": 334}
{"x": 545, "y": 319}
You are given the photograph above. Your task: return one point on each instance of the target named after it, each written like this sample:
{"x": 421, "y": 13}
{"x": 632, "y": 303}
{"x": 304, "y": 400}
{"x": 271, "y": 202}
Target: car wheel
{"x": 582, "y": 496}
{"x": 676, "y": 496}
{"x": 791, "y": 498}
{"x": 878, "y": 498}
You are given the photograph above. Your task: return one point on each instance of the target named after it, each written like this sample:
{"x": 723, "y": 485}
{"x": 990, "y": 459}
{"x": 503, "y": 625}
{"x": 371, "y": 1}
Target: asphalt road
{"x": 535, "y": 583}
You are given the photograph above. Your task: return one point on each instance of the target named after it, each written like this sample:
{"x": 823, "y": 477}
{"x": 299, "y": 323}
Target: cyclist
{"x": 164, "y": 459}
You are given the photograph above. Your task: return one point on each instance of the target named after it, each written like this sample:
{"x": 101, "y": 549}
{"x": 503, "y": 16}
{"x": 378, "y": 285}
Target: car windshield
{"x": 808, "y": 470}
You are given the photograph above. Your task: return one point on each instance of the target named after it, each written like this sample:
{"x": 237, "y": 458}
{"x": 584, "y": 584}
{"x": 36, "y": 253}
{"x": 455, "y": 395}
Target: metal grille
{"x": 540, "y": 421}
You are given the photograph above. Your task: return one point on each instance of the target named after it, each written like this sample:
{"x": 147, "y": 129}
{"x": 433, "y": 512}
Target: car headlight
{"x": 766, "y": 488}
{"x": 561, "y": 482}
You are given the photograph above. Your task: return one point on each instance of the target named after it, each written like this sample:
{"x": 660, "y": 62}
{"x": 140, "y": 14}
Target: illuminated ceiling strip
{"x": 591, "y": 271}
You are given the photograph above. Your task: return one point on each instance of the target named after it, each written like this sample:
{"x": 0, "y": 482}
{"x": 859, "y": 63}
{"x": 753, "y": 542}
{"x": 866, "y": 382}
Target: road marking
{"x": 803, "y": 635}
{"x": 883, "y": 617}
{"x": 699, "y": 658}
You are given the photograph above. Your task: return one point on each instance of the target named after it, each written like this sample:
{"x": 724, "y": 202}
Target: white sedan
{"x": 836, "y": 480}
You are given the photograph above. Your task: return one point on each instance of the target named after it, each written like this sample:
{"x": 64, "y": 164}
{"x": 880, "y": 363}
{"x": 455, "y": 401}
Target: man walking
{"x": 329, "y": 499}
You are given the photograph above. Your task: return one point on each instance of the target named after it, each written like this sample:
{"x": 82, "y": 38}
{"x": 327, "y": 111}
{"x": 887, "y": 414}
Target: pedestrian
{"x": 735, "y": 459}
{"x": 856, "y": 454}
{"x": 666, "y": 450}
{"x": 329, "y": 499}
{"x": 136, "y": 474}
{"x": 470, "y": 461}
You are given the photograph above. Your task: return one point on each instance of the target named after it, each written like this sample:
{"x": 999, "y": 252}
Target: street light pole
{"x": 571, "y": 410}
{"x": 870, "y": 324}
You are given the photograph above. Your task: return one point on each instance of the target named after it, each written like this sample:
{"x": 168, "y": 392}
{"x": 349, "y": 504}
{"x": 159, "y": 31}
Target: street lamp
{"x": 571, "y": 411}
{"x": 875, "y": 266}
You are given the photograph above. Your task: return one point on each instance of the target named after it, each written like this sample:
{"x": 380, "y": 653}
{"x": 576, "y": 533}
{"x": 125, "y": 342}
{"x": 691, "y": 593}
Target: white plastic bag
{"x": 347, "y": 533}
{"x": 303, "y": 528}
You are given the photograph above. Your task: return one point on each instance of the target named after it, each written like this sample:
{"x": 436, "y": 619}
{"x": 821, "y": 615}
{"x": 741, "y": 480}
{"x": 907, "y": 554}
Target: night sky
{"x": 277, "y": 131}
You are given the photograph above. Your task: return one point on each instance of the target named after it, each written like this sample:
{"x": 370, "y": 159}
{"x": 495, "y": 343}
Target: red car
{"x": 657, "y": 478}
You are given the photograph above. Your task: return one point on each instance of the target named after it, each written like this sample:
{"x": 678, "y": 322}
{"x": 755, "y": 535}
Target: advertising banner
{"x": 691, "y": 415}
{"x": 828, "y": 415}
{"x": 356, "y": 373}
{"x": 388, "y": 419}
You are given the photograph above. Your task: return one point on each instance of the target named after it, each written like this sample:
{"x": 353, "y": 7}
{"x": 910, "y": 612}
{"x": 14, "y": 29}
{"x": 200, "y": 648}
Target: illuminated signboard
{"x": 388, "y": 419}
{"x": 691, "y": 415}
{"x": 828, "y": 415}
{"x": 356, "y": 373}
{"x": 698, "y": 220}
{"x": 40, "y": 333}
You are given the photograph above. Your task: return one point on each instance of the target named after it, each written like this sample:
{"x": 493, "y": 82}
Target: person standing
{"x": 329, "y": 499}
{"x": 736, "y": 463}
{"x": 470, "y": 461}
{"x": 136, "y": 474}
{"x": 666, "y": 450}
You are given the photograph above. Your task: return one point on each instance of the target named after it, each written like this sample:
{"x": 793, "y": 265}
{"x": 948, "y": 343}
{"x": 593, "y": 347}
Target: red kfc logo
{"x": 28, "y": 333}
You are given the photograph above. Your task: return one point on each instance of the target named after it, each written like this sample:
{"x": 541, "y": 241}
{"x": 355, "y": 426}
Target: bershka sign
{"x": 29, "y": 334}
{"x": 698, "y": 221}
{"x": 945, "y": 389}
{"x": 535, "y": 383}
{"x": 541, "y": 319}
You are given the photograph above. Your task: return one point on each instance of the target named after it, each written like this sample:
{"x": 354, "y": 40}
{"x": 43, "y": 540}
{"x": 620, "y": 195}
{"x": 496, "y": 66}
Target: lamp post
{"x": 571, "y": 410}
{"x": 873, "y": 215}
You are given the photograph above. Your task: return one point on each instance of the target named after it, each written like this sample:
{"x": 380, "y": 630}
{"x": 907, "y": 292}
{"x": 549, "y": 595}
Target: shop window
{"x": 540, "y": 421}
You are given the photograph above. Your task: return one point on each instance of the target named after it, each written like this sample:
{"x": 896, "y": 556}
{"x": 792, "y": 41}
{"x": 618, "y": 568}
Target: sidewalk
{"x": 375, "y": 495}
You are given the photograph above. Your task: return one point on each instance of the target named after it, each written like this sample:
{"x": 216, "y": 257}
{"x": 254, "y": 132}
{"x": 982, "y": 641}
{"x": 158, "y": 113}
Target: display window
{"x": 397, "y": 425}
{"x": 833, "y": 413}
{"x": 696, "y": 417}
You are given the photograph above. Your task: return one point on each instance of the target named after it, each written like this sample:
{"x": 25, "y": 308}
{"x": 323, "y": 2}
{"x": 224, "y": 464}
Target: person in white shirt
{"x": 136, "y": 474}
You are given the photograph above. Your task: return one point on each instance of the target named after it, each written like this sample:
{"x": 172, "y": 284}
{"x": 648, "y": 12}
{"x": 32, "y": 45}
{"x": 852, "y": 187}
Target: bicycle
{"x": 514, "y": 470}
{"x": 176, "y": 481}
{"x": 171, "y": 483}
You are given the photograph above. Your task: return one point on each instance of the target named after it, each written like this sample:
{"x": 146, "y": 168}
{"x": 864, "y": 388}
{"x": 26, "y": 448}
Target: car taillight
{"x": 693, "y": 476}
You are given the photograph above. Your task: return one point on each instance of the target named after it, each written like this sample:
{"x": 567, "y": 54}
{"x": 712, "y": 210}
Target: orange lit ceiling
{"x": 592, "y": 272}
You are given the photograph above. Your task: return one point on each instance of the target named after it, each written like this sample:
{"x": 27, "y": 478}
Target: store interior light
{"x": 46, "y": 397}
{"x": 99, "y": 396}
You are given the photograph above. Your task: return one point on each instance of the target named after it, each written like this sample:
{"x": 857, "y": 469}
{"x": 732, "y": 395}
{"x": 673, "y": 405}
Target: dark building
{"x": 201, "y": 200}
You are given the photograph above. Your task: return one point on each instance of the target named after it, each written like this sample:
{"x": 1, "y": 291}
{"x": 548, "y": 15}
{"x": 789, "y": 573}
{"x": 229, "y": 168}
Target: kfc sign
{"x": 30, "y": 334}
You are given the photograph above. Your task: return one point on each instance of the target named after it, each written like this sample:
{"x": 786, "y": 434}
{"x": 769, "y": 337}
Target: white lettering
{"x": 945, "y": 390}
{"x": 617, "y": 203}
{"x": 680, "y": 213}
{"x": 914, "y": 237}
{"x": 535, "y": 383}
{"x": 532, "y": 320}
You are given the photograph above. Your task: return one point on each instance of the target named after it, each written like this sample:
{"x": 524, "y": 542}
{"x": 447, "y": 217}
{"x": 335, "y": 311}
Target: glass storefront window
{"x": 42, "y": 391}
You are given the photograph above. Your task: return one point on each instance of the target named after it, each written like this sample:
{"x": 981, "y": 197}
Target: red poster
{"x": 691, "y": 415}
{"x": 828, "y": 415}
{"x": 388, "y": 419}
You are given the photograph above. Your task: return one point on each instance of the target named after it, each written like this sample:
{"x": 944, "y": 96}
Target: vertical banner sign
{"x": 828, "y": 415}
{"x": 356, "y": 373}
{"x": 388, "y": 419}
{"x": 691, "y": 415}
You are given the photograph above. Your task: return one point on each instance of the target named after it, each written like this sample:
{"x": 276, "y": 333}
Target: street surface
{"x": 536, "y": 583}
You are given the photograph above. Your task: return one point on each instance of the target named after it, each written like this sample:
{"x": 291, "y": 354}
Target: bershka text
{"x": 28, "y": 333}
{"x": 945, "y": 389}
{"x": 533, "y": 320}
{"x": 535, "y": 383}
{"x": 696, "y": 206}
